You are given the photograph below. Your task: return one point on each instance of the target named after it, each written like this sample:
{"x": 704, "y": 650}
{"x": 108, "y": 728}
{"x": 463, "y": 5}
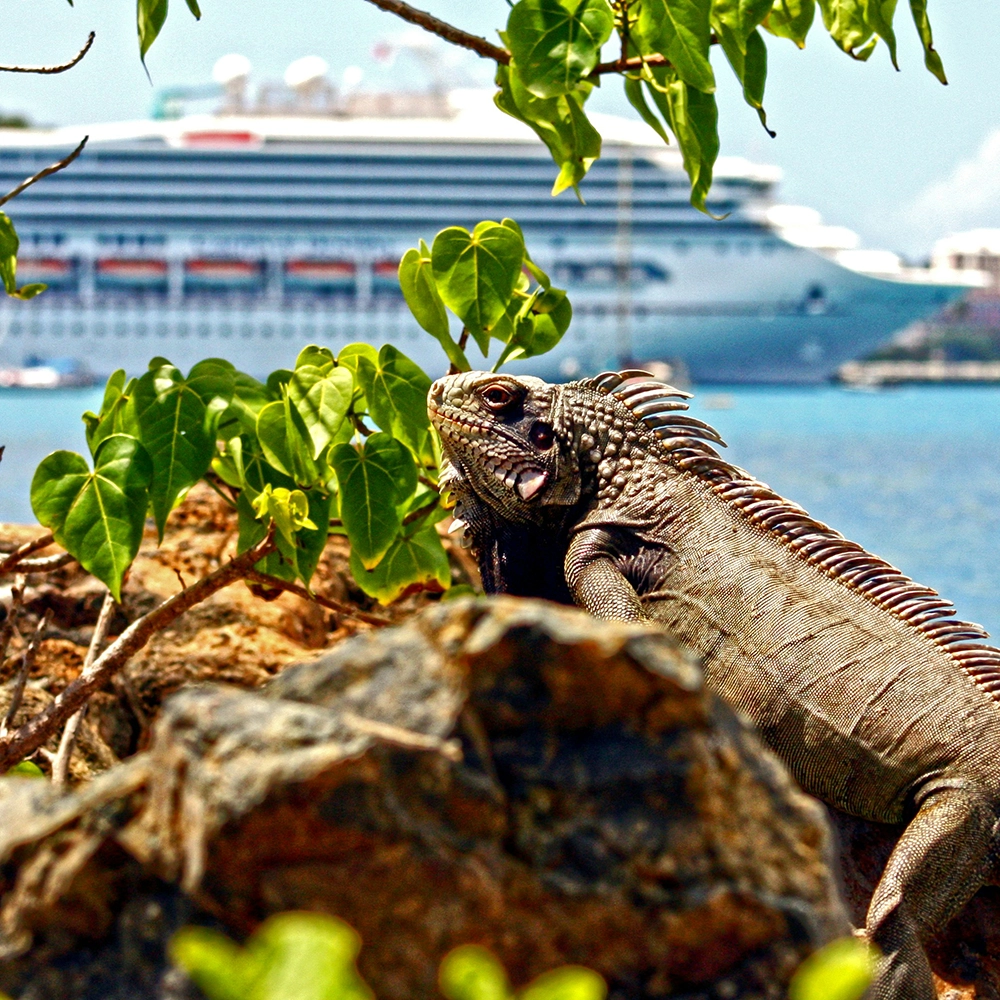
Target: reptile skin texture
{"x": 602, "y": 493}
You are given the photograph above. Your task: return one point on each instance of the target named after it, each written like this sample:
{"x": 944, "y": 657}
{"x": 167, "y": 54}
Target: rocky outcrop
{"x": 502, "y": 772}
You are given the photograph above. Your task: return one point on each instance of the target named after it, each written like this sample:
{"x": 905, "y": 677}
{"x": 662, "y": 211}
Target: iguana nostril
{"x": 541, "y": 435}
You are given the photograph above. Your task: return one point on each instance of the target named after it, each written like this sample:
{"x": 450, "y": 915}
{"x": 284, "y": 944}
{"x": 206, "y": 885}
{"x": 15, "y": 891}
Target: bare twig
{"x": 48, "y": 70}
{"x": 60, "y": 765}
{"x": 624, "y": 65}
{"x": 444, "y": 30}
{"x": 9, "y": 562}
{"x": 54, "y": 168}
{"x": 46, "y": 563}
{"x": 28, "y": 738}
{"x": 451, "y": 749}
{"x": 7, "y": 629}
{"x": 266, "y": 580}
{"x": 22, "y": 676}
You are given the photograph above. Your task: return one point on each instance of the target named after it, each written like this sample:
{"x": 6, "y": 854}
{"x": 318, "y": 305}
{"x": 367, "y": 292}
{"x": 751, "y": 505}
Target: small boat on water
{"x": 51, "y": 373}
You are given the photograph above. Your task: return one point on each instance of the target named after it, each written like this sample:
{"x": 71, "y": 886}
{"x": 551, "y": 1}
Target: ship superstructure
{"x": 247, "y": 236}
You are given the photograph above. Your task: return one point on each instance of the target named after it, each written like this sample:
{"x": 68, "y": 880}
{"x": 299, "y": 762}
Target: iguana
{"x": 602, "y": 493}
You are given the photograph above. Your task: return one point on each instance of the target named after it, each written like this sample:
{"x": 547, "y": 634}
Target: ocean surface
{"x": 912, "y": 473}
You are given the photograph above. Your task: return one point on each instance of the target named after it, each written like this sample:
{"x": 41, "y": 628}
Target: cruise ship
{"x": 251, "y": 231}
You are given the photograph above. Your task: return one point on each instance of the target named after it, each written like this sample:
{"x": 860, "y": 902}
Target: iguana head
{"x": 503, "y": 436}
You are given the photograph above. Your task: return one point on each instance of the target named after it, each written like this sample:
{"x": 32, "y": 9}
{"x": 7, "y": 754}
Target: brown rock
{"x": 603, "y": 809}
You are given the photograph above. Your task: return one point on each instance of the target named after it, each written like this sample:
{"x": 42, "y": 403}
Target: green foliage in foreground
{"x": 840, "y": 971}
{"x": 309, "y": 956}
{"x": 338, "y": 443}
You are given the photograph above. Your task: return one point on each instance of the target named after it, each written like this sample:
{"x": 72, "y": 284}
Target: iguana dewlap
{"x": 877, "y": 699}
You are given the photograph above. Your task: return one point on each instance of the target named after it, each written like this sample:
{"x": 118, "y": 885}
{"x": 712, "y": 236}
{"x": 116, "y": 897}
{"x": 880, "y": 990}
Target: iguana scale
{"x": 880, "y": 702}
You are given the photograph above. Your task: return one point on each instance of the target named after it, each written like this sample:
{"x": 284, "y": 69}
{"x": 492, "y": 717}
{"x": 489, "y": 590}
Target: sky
{"x": 895, "y": 156}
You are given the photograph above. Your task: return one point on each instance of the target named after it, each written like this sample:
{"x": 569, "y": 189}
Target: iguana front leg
{"x": 595, "y": 581}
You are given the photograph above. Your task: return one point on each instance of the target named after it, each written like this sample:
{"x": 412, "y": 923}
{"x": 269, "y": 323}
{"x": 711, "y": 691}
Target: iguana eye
{"x": 496, "y": 397}
{"x": 541, "y": 435}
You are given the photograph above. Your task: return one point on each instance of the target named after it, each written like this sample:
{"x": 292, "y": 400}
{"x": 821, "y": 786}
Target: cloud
{"x": 968, "y": 199}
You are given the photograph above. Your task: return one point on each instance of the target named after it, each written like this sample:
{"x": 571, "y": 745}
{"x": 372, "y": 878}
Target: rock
{"x": 504, "y": 772}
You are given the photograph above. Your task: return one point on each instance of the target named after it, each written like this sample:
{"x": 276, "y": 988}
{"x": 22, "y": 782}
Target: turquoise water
{"x": 913, "y": 474}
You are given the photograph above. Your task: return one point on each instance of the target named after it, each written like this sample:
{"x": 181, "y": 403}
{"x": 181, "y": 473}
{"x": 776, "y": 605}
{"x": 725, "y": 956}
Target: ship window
{"x": 722, "y": 247}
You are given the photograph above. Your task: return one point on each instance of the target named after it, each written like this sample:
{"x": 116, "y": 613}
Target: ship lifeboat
{"x": 322, "y": 277}
{"x": 214, "y": 274}
{"x": 56, "y": 272}
{"x": 385, "y": 278}
{"x": 130, "y": 274}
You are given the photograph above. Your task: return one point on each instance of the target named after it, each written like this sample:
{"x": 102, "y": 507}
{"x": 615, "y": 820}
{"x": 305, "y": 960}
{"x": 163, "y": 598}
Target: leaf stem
{"x": 255, "y": 576}
{"x": 28, "y": 738}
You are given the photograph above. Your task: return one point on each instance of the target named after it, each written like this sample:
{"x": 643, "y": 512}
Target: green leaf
{"x": 840, "y": 971}
{"x": 396, "y": 390}
{"x": 150, "y": 16}
{"x": 750, "y": 66}
{"x": 277, "y": 380}
{"x": 96, "y": 516}
{"x": 931, "y": 59}
{"x": 636, "y": 97}
{"x": 554, "y": 44}
{"x": 476, "y": 273}
{"x": 569, "y": 982}
{"x": 848, "y": 26}
{"x": 286, "y": 442}
{"x": 322, "y": 401}
{"x": 316, "y": 357}
{"x": 879, "y": 14}
{"x": 421, "y": 293}
{"x": 397, "y": 460}
{"x": 791, "y": 19}
{"x": 249, "y": 398}
{"x": 9, "y": 244}
{"x": 470, "y": 972}
{"x": 693, "y": 118}
{"x": 412, "y": 563}
{"x": 734, "y": 21}
{"x": 213, "y": 381}
{"x": 679, "y": 30}
{"x": 289, "y": 509}
{"x": 368, "y": 499}
{"x": 536, "y": 272}
{"x": 24, "y": 769}
{"x": 559, "y": 122}
{"x": 171, "y": 418}
{"x": 312, "y": 541}
{"x": 349, "y": 356}
{"x": 117, "y": 413}
{"x": 194, "y": 8}
{"x": 292, "y": 956}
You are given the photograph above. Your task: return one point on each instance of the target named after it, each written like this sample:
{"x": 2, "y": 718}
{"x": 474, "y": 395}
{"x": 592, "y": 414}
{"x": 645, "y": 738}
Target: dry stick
{"x": 61, "y": 68}
{"x": 60, "y": 764}
{"x": 28, "y": 738}
{"x": 23, "y": 551}
{"x": 444, "y": 30}
{"x": 7, "y": 629}
{"x": 46, "y": 563}
{"x": 54, "y": 168}
{"x": 254, "y": 576}
{"x": 22, "y": 677}
{"x": 452, "y": 749}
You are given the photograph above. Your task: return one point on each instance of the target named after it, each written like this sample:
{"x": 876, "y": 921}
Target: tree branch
{"x": 444, "y": 30}
{"x": 266, "y": 580}
{"x": 54, "y": 168}
{"x": 10, "y": 562}
{"x": 27, "y": 661}
{"x": 61, "y": 68}
{"x": 28, "y": 738}
{"x": 625, "y": 65}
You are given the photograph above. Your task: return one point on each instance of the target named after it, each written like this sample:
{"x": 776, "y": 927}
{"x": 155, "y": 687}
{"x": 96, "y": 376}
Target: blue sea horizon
{"x": 911, "y": 473}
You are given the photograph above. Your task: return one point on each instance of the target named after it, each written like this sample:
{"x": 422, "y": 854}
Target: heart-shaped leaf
{"x": 368, "y": 499}
{"x": 556, "y": 44}
{"x": 172, "y": 427}
{"x": 396, "y": 390}
{"x": 317, "y": 357}
{"x": 412, "y": 563}
{"x": 679, "y": 30}
{"x": 792, "y": 19}
{"x": 96, "y": 516}
{"x": 285, "y": 441}
{"x": 322, "y": 401}
{"x": 476, "y": 274}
